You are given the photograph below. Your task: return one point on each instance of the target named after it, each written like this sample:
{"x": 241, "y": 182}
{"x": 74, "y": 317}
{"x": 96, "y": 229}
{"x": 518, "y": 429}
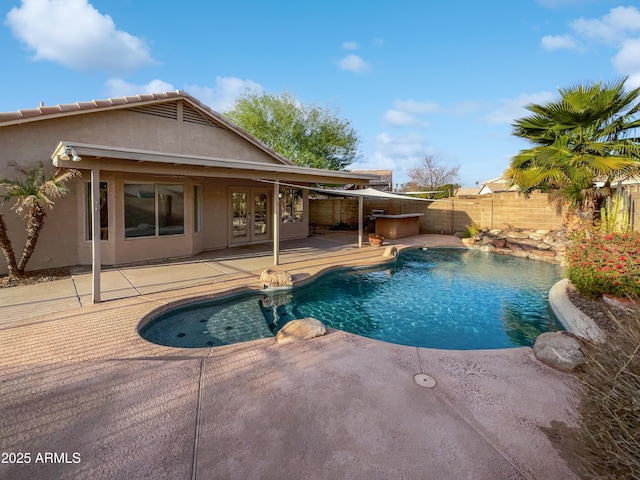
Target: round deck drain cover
{"x": 424, "y": 380}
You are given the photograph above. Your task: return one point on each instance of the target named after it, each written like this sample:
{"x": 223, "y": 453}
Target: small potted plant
{"x": 376, "y": 239}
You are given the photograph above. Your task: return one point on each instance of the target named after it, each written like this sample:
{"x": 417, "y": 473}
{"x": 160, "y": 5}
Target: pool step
{"x": 275, "y": 316}
{"x": 238, "y": 323}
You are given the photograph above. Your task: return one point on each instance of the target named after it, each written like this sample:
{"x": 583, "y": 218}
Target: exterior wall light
{"x": 69, "y": 153}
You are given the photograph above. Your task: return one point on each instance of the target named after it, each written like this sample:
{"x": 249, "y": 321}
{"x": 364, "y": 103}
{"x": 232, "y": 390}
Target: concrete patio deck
{"x": 77, "y": 378}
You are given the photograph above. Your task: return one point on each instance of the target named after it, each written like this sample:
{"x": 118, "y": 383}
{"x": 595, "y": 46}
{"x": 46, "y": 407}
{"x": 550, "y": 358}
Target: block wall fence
{"x": 503, "y": 210}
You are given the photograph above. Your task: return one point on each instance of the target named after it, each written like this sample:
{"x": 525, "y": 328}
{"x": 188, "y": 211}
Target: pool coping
{"x": 571, "y": 317}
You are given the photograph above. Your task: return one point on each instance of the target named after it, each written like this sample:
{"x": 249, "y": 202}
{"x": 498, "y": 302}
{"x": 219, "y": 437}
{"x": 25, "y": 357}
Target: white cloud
{"x": 354, "y": 64}
{"x": 633, "y": 81}
{"x": 627, "y": 60}
{"x": 350, "y": 45}
{"x": 397, "y": 153}
{"x": 377, "y": 42}
{"x": 411, "y": 113}
{"x": 220, "y": 97}
{"x": 558, "y": 42}
{"x": 513, "y": 108}
{"x": 613, "y": 28}
{"x": 416, "y": 108}
{"x": 618, "y": 29}
{"x": 398, "y": 118}
{"x": 117, "y": 87}
{"x": 224, "y": 93}
{"x": 75, "y": 34}
{"x": 406, "y": 146}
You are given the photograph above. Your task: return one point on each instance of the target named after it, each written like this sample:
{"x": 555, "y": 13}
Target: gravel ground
{"x": 39, "y": 276}
{"x": 597, "y": 309}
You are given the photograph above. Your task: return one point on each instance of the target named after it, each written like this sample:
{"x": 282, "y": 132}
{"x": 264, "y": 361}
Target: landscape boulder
{"x": 559, "y": 351}
{"x": 390, "y": 252}
{"x": 500, "y": 242}
{"x": 302, "y": 329}
{"x": 273, "y": 278}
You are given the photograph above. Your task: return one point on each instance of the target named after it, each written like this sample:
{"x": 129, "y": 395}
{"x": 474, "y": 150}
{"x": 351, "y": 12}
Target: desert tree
{"x": 308, "y": 135}
{"x": 433, "y": 174}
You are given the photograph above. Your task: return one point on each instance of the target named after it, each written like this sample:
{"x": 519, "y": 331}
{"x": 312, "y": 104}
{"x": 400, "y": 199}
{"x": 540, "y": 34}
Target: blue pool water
{"x": 437, "y": 298}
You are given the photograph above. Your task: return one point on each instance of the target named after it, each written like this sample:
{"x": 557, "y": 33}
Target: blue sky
{"x": 415, "y": 78}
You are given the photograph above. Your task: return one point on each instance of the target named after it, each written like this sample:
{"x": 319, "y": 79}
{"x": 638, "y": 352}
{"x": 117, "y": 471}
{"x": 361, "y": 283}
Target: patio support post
{"x": 276, "y": 222}
{"x": 360, "y": 220}
{"x": 95, "y": 234}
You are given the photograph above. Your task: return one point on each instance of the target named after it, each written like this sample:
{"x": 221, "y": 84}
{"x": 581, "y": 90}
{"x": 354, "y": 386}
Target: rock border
{"x": 541, "y": 244}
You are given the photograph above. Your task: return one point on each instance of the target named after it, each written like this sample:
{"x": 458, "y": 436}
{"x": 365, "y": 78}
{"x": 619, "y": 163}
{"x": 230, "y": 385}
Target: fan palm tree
{"x": 589, "y": 135}
{"x": 31, "y": 194}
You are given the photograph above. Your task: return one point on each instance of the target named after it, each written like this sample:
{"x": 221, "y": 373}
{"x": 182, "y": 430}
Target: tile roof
{"x": 56, "y": 110}
{"x": 467, "y": 191}
{"x": 45, "y": 112}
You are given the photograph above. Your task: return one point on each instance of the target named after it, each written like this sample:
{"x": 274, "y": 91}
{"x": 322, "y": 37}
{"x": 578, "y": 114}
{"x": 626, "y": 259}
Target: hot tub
{"x": 398, "y": 226}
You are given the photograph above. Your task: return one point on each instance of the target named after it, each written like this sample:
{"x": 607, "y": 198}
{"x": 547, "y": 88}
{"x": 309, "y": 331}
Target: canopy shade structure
{"x": 369, "y": 193}
{"x": 361, "y": 194}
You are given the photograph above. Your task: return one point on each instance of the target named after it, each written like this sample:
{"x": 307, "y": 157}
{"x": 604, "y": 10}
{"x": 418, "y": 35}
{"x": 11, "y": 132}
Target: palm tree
{"x": 589, "y": 135}
{"x": 31, "y": 194}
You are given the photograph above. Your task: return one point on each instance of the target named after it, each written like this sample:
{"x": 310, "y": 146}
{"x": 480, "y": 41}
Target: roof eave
{"x": 101, "y": 151}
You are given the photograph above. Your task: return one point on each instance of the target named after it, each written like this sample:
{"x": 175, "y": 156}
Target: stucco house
{"x": 496, "y": 185}
{"x": 172, "y": 178}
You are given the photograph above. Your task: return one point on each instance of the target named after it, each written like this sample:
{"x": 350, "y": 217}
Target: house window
{"x": 170, "y": 209}
{"x": 291, "y": 205}
{"x": 104, "y": 212}
{"x": 153, "y": 210}
{"x": 197, "y": 208}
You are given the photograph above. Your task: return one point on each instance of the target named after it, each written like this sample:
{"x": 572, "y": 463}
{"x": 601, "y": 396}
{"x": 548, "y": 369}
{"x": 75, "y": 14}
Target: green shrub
{"x": 610, "y": 264}
{"x": 471, "y": 231}
{"x": 608, "y": 402}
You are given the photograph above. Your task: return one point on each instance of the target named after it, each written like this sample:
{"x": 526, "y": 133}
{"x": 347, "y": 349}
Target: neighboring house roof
{"x": 383, "y": 182}
{"x": 137, "y": 101}
{"x": 633, "y": 180}
{"x": 385, "y": 176}
{"x": 467, "y": 191}
{"x": 499, "y": 184}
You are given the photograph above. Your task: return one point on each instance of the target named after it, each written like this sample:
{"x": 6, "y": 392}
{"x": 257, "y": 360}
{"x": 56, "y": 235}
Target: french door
{"x": 250, "y": 214}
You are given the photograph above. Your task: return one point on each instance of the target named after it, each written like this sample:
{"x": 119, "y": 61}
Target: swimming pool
{"x": 438, "y": 298}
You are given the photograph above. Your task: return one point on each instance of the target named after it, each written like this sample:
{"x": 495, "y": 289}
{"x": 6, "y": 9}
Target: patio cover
{"x": 115, "y": 158}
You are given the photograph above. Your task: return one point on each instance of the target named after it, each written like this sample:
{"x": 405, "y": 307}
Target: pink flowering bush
{"x": 605, "y": 264}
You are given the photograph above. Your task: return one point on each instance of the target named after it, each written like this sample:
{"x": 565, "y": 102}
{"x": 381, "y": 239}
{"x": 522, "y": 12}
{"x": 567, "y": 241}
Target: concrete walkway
{"x": 80, "y": 383}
